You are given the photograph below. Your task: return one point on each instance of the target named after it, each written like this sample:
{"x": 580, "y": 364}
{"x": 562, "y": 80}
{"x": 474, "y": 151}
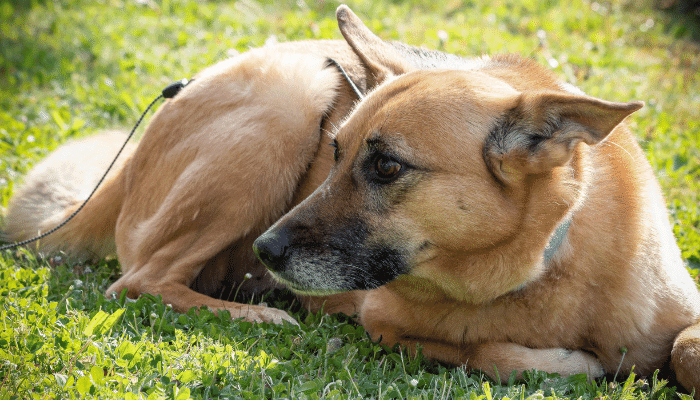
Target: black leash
{"x": 169, "y": 92}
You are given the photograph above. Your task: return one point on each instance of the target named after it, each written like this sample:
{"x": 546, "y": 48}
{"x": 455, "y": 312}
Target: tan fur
{"x": 685, "y": 358}
{"x": 494, "y": 154}
{"x": 210, "y": 142}
{"x": 58, "y": 185}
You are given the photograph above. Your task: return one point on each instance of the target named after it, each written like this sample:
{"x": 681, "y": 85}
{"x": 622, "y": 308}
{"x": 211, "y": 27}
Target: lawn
{"x": 72, "y": 68}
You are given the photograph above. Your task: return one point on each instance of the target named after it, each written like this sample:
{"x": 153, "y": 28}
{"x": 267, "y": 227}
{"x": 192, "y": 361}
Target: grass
{"x": 72, "y": 68}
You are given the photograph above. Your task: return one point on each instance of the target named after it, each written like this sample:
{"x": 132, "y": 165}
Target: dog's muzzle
{"x": 324, "y": 258}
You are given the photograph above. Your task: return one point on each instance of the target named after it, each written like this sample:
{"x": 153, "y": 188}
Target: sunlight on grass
{"x": 72, "y": 68}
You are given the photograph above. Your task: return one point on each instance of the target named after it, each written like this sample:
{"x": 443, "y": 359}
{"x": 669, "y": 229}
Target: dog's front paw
{"x": 253, "y": 313}
{"x": 567, "y": 362}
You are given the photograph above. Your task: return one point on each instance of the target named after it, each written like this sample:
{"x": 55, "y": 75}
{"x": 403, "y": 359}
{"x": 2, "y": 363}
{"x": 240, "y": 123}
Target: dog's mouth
{"x": 297, "y": 288}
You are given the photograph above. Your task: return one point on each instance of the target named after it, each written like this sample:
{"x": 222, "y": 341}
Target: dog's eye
{"x": 386, "y": 168}
{"x": 334, "y": 144}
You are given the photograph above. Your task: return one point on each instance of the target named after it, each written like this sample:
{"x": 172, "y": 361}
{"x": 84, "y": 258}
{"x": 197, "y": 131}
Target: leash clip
{"x": 174, "y": 88}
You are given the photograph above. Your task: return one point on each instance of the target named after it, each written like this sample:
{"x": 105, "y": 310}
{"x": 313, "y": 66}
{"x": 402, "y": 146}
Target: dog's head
{"x": 443, "y": 175}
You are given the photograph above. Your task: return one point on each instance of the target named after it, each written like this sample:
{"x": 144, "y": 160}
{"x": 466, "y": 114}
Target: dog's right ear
{"x": 381, "y": 59}
{"x": 542, "y": 131}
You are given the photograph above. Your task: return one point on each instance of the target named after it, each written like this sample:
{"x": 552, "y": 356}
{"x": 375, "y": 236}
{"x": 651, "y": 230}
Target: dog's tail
{"x": 685, "y": 358}
{"x": 58, "y": 185}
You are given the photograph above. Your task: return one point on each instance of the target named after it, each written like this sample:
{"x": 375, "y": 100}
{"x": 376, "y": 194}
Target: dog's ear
{"x": 543, "y": 129}
{"x": 381, "y": 59}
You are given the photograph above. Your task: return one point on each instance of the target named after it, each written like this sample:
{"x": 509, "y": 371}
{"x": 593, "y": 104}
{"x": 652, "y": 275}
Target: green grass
{"x": 72, "y": 68}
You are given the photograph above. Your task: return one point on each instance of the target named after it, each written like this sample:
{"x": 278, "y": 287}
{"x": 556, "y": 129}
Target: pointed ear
{"x": 381, "y": 59}
{"x": 543, "y": 129}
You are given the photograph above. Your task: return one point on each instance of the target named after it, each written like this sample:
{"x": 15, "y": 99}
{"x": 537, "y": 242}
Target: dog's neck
{"x": 552, "y": 247}
{"x": 556, "y": 240}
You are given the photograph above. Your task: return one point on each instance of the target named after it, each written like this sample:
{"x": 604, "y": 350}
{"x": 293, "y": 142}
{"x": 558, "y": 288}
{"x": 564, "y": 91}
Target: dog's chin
{"x": 318, "y": 289}
{"x": 306, "y": 290}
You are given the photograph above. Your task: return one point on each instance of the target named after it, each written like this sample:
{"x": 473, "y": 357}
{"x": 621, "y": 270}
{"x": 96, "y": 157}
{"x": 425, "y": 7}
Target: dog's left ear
{"x": 543, "y": 129}
{"x": 381, "y": 59}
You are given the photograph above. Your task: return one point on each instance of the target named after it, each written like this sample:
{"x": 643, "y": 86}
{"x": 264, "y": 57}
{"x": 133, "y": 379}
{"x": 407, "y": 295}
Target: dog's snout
{"x": 271, "y": 248}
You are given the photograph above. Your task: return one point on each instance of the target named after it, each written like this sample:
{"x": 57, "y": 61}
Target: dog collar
{"x": 556, "y": 240}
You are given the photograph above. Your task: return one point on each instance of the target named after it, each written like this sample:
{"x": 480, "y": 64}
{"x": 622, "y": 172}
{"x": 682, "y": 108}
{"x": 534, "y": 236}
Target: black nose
{"x": 271, "y": 248}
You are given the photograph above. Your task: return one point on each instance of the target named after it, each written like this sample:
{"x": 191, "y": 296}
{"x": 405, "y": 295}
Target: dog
{"x": 479, "y": 209}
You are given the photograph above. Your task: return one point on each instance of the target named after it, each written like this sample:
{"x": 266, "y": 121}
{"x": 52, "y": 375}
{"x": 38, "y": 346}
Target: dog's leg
{"x": 202, "y": 213}
{"x": 685, "y": 358}
{"x": 499, "y": 360}
{"x": 174, "y": 266}
{"x": 218, "y": 163}
{"x": 390, "y": 318}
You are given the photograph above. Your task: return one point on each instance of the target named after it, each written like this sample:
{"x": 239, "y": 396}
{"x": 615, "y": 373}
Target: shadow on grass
{"x": 22, "y": 5}
{"x": 685, "y": 17}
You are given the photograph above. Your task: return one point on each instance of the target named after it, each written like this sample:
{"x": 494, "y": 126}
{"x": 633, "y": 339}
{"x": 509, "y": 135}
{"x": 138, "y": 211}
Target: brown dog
{"x": 479, "y": 208}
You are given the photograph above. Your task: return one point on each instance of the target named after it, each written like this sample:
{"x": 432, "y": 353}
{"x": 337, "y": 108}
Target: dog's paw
{"x": 570, "y": 362}
{"x": 253, "y": 313}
